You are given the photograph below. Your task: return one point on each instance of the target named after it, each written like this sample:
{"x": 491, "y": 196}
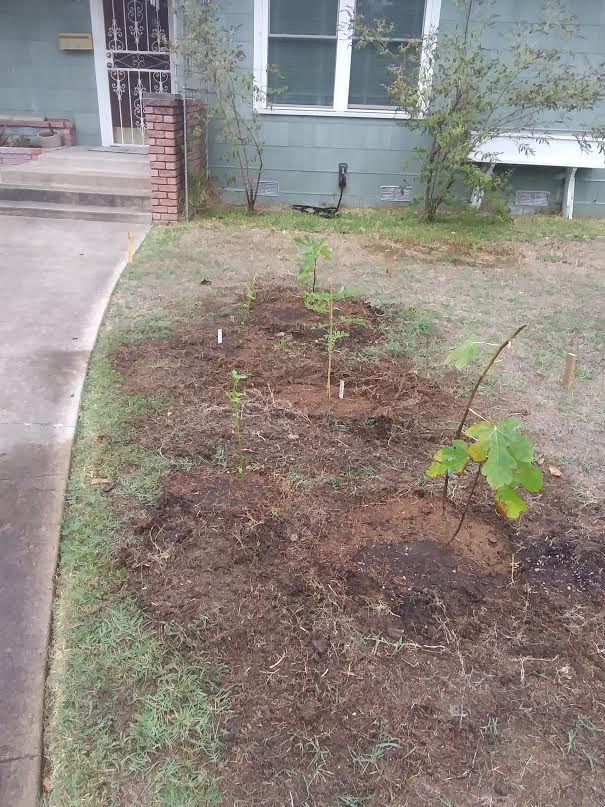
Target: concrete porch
{"x": 79, "y": 183}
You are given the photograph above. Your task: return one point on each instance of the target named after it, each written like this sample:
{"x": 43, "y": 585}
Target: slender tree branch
{"x": 472, "y": 397}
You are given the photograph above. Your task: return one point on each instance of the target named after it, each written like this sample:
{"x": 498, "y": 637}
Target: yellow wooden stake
{"x": 569, "y": 376}
{"x": 130, "y": 247}
{"x": 388, "y": 263}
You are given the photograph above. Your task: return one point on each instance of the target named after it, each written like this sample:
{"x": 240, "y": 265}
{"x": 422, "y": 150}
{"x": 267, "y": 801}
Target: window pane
{"x": 313, "y": 17}
{"x": 370, "y": 75}
{"x": 406, "y": 16}
{"x": 302, "y": 71}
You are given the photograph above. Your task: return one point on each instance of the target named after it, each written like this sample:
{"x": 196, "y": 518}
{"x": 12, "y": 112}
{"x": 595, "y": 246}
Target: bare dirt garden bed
{"x": 370, "y": 661}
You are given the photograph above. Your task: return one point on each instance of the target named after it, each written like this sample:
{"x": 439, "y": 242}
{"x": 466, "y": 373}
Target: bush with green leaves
{"x": 213, "y": 60}
{"x": 460, "y": 93}
{"x": 500, "y": 453}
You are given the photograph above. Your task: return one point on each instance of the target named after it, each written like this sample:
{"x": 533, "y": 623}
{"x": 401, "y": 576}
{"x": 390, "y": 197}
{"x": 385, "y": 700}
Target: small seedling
{"x": 312, "y": 251}
{"x": 503, "y": 455}
{"x": 236, "y": 397}
{"x": 249, "y": 298}
{"x": 333, "y": 337}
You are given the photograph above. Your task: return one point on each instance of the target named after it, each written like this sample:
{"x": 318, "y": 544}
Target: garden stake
{"x": 471, "y": 400}
{"x": 388, "y": 264}
{"x": 570, "y": 371}
{"x": 220, "y": 336}
{"x": 129, "y": 256}
{"x": 341, "y": 390}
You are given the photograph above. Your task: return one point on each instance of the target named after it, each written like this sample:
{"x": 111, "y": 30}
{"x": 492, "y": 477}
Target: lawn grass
{"x": 132, "y": 707}
{"x": 459, "y": 229}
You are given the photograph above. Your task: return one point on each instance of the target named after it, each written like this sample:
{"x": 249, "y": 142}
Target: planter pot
{"x": 46, "y": 140}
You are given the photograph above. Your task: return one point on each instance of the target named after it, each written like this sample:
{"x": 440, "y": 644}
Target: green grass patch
{"x": 464, "y": 229}
{"x": 133, "y": 707}
{"x": 413, "y": 332}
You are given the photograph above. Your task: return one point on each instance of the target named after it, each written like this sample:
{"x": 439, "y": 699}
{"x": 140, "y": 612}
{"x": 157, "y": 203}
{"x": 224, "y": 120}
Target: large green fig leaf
{"x": 503, "y": 450}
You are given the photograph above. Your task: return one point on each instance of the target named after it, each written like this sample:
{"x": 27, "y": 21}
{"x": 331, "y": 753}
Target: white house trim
{"x": 340, "y": 108}
{"x": 542, "y": 148}
{"x": 100, "y": 57}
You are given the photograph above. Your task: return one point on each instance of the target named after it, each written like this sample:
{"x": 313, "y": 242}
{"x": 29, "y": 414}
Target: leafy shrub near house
{"x": 462, "y": 93}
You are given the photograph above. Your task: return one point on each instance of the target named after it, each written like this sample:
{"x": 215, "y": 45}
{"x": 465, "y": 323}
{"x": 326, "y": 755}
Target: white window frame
{"x": 344, "y": 49}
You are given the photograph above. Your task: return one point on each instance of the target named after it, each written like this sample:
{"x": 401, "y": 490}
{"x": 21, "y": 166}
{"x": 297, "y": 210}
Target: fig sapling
{"x": 502, "y": 454}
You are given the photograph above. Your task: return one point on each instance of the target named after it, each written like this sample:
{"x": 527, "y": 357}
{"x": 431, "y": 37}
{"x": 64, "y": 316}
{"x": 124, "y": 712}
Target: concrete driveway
{"x": 56, "y": 280}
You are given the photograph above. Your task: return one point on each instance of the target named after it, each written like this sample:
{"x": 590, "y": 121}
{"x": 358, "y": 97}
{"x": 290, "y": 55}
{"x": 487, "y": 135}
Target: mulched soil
{"x": 370, "y": 661}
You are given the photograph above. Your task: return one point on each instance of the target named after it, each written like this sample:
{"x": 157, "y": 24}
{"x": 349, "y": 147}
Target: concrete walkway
{"x": 56, "y": 278}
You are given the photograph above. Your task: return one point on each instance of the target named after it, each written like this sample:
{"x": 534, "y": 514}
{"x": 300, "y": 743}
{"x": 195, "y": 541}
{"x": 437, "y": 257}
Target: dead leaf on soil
{"x": 47, "y": 783}
{"x": 554, "y": 471}
{"x": 99, "y": 481}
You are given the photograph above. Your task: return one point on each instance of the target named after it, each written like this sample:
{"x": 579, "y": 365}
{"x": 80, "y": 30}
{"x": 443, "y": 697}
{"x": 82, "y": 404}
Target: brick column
{"x": 164, "y": 121}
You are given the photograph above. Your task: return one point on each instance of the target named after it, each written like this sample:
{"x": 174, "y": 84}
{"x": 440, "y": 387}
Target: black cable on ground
{"x": 323, "y": 212}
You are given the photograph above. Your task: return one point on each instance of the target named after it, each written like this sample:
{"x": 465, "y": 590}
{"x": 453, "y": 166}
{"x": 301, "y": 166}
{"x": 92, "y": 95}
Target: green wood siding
{"x": 302, "y": 153}
{"x": 36, "y": 78}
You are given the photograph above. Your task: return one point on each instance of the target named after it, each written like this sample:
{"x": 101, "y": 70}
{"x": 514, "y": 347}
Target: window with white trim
{"x": 306, "y": 62}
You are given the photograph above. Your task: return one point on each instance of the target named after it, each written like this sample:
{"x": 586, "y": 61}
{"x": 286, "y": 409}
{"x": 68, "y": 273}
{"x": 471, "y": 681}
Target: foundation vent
{"x": 268, "y": 188}
{"x": 532, "y": 198}
{"x": 394, "y": 193}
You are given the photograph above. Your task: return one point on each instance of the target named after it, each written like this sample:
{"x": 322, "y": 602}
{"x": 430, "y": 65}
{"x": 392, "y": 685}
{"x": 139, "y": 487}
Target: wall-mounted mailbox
{"x": 75, "y": 41}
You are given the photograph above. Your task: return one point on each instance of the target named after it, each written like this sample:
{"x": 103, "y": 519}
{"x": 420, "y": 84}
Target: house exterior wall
{"x": 302, "y": 153}
{"x": 36, "y": 77}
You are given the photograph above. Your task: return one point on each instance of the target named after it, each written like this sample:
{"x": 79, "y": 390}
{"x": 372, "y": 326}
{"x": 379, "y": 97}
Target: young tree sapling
{"x": 312, "y": 251}
{"x": 236, "y": 397}
{"x": 334, "y": 335}
{"x": 503, "y": 455}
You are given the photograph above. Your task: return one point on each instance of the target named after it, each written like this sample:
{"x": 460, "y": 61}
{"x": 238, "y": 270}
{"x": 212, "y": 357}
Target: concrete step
{"x": 75, "y": 197}
{"x": 49, "y": 210}
{"x": 42, "y": 177}
{"x": 81, "y": 162}
{"x": 97, "y": 154}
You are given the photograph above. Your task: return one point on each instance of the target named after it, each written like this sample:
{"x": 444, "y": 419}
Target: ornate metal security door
{"x": 138, "y": 60}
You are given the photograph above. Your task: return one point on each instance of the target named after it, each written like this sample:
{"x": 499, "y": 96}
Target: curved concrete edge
{"x": 47, "y": 332}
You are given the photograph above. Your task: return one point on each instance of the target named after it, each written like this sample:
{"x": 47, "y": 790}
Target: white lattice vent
{"x": 394, "y": 193}
{"x": 532, "y": 198}
{"x": 267, "y": 188}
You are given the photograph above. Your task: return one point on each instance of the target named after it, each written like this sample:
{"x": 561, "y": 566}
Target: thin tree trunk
{"x": 468, "y": 504}
{"x": 471, "y": 400}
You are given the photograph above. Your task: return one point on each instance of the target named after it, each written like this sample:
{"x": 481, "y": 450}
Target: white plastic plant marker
{"x": 220, "y": 336}
{"x": 341, "y": 390}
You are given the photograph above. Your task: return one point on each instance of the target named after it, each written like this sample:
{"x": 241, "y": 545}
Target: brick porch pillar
{"x": 164, "y": 121}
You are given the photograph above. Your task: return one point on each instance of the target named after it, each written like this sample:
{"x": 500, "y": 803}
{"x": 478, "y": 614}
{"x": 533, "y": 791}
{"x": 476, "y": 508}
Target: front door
{"x": 137, "y": 58}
